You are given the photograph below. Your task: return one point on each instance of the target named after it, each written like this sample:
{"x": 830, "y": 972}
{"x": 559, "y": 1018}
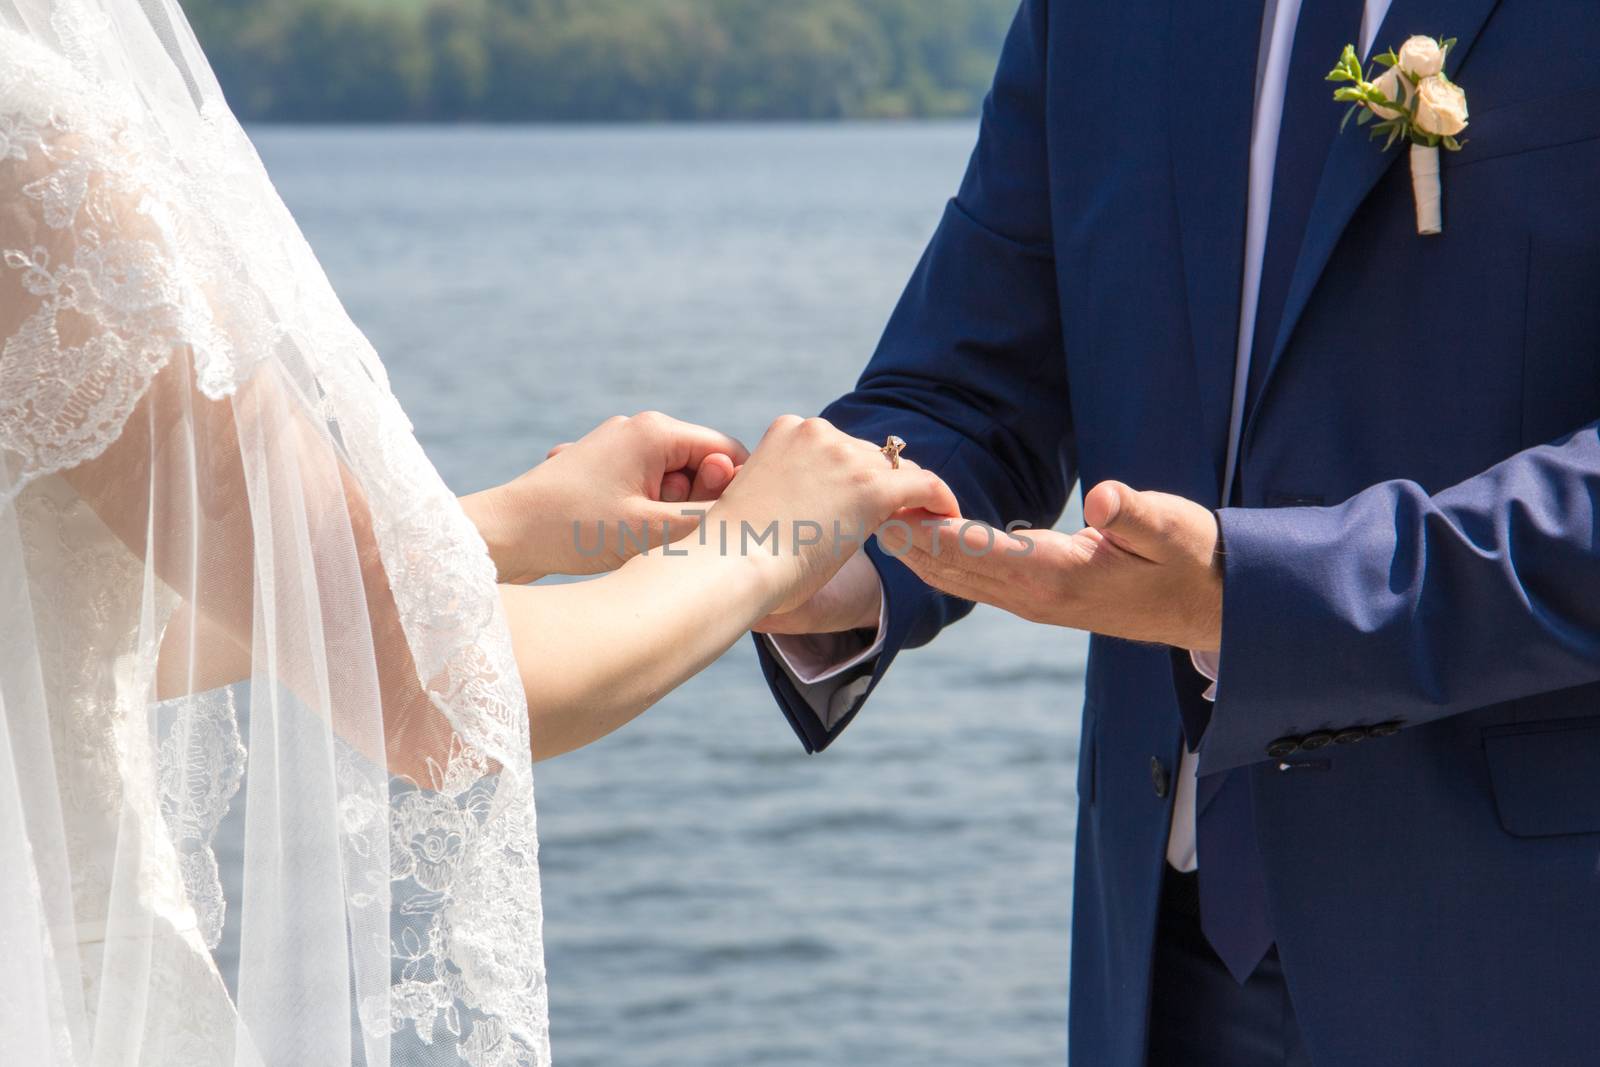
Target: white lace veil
{"x": 232, "y": 589}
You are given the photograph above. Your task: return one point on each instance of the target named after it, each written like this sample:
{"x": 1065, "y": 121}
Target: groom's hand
{"x": 852, "y": 600}
{"x": 1146, "y": 568}
{"x": 641, "y": 474}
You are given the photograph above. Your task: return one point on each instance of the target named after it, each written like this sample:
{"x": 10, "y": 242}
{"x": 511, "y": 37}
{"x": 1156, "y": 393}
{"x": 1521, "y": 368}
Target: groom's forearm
{"x": 971, "y": 370}
{"x": 1398, "y": 607}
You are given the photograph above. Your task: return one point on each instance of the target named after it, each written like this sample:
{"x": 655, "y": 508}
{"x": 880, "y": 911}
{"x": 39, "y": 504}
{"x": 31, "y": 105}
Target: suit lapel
{"x": 1355, "y": 164}
{"x": 1212, "y": 103}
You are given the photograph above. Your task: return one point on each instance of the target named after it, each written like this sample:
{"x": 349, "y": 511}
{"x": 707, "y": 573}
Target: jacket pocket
{"x": 1546, "y": 775}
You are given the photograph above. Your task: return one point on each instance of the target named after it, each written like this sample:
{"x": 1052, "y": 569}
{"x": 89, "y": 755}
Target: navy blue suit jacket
{"x": 1420, "y": 488}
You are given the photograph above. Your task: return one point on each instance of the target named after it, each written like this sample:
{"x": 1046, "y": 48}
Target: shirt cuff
{"x": 814, "y": 658}
{"x": 1210, "y": 665}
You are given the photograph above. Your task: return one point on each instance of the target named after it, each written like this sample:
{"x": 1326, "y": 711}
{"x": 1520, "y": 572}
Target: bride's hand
{"x": 819, "y": 492}
{"x": 637, "y": 474}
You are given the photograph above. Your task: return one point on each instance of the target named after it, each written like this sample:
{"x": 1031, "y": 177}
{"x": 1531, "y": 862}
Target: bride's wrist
{"x": 746, "y": 586}
{"x": 495, "y": 517}
{"x": 749, "y": 554}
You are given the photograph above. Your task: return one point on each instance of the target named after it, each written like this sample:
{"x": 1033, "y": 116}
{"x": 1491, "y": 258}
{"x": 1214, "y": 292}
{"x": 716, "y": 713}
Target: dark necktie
{"x": 1233, "y": 904}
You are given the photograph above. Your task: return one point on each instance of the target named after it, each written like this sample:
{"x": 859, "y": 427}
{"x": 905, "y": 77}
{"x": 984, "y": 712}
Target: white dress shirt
{"x": 816, "y": 663}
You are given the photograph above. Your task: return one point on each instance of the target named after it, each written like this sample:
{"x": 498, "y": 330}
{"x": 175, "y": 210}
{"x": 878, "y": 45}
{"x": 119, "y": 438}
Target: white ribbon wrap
{"x": 1425, "y": 187}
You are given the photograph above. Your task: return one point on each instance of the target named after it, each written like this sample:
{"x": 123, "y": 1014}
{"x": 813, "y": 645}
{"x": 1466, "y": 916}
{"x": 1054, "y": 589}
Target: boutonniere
{"x": 1412, "y": 100}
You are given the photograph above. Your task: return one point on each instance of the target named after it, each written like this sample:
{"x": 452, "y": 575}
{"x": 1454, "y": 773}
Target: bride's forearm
{"x": 593, "y": 655}
{"x": 493, "y": 513}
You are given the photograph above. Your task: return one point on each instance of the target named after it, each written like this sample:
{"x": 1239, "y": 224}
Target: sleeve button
{"x": 1311, "y": 742}
{"x": 1350, "y": 736}
{"x": 1384, "y": 729}
{"x": 1283, "y": 746}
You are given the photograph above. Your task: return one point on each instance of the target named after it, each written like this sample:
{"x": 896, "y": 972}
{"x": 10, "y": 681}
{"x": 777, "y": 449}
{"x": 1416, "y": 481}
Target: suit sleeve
{"x": 970, "y": 370}
{"x": 1402, "y": 607}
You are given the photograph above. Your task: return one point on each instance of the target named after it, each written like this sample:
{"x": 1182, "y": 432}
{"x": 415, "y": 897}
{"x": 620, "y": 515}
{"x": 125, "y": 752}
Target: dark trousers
{"x": 1201, "y": 1017}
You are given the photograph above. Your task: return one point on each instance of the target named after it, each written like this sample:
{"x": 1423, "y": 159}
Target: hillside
{"x": 574, "y": 60}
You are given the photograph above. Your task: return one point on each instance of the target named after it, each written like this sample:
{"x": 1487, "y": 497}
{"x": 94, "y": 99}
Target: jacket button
{"x": 1158, "y": 776}
{"x": 1283, "y": 746}
{"x": 1384, "y": 729}
{"x": 1350, "y": 736}
{"x": 1315, "y": 741}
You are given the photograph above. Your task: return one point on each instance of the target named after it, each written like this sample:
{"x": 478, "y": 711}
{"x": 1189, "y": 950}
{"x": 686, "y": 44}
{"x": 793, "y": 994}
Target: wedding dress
{"x": 211, "y": 504}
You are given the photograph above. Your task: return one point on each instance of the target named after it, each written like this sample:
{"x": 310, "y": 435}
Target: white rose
{"x": 1394, "y": 87}
{"x": 1421, "y": 57}
{"x": 1441, "y": 107}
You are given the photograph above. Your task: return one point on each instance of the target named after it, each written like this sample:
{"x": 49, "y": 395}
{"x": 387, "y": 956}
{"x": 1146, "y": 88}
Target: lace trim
{"x": 96, "y": 274}
{"x": 199, "y": 765}
{"x": 116, "y": 298}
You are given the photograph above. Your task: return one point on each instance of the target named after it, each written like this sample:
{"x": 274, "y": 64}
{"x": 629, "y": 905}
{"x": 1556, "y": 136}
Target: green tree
{"x": 458, "y": 31}
{"x": 327, "y": 60}
{"x": 360, "y": 63}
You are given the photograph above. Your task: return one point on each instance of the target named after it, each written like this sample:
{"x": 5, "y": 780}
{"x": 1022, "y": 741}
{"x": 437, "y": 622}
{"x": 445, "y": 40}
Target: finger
{"x": 712, "y": 477}
{"x": 896, "y": 538}
{"x": 558, "y": 449}
{"x": 941, "y": 534}
{"x": 1102, "y": 505}
{"x": 685, "y": 445}
{"x": 943, "y": 541}
{"x": 1141, "y": 523}
{"x": 990, "y": 563}
{"x": 913, "y": 487}
{"x": 950, "y": 577}
{"x": 670, "y": 522}
{"x": 675, "y": 488}
{"x": 917, "y": 528}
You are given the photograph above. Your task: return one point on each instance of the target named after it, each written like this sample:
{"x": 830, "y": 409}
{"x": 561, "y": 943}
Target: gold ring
{"x": 892, "y": 449}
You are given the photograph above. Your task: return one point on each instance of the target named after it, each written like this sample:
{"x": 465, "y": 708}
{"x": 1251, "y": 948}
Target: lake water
{"x": 713, "y": 896}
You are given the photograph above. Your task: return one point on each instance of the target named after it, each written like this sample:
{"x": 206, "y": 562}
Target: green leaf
{"x": 1351, "y": 110}
{"x": 1452, "y": 144}
{"x": 1364, "y": 118}
{"x": 1377, "y": 98}
{"x": 1447, "y": 44}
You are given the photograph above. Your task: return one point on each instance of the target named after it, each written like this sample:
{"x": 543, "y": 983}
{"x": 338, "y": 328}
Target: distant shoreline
{"x": 613, "y": 124}
{"x": 602, "y": 61}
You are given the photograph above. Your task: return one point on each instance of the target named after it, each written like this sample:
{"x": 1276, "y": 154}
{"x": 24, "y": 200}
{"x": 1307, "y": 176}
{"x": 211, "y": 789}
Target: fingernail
{"x": 714, "y": 476}
{"x": 1113, "y": 505}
